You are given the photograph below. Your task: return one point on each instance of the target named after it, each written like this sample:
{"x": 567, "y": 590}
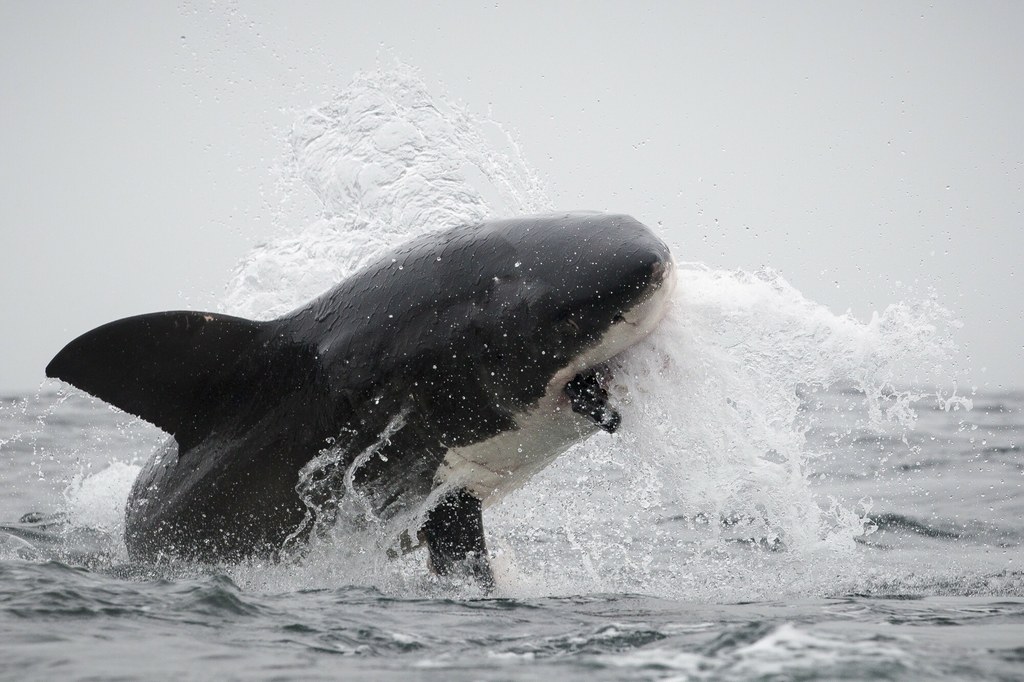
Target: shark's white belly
{"x": 495, "y": 467}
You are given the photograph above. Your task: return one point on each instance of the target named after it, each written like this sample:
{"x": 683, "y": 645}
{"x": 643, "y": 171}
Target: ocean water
{"x": 793, "y": 494}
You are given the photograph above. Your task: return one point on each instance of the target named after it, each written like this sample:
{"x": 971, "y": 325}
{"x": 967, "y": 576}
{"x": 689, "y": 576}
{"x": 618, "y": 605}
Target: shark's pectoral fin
{"x": 454, "y": 535}
{"x": 163, "y": 367}
{"x": 590, "y": 399}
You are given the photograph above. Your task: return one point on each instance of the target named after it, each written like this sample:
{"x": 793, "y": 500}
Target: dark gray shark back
{"x": 490, "y": 297}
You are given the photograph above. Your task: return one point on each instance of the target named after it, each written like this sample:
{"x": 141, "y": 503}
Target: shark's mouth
{"x": 586, "y": 379}
{"x": 589, "y": 397}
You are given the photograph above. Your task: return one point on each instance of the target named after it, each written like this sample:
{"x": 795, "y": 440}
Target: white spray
{"x": 704, "y": 492}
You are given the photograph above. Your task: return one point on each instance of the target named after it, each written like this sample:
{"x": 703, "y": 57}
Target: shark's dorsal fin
{"x": 162, "y": 367}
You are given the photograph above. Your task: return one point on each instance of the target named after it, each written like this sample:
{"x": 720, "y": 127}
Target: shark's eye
{"x": 568, "y": 327}
{"x": 619, "y": 317}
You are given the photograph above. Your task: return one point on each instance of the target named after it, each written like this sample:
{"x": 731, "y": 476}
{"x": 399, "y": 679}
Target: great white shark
{"x": 444, "y": 376}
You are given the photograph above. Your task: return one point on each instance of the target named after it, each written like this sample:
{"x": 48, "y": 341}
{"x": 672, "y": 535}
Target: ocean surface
{"x": 935, "y": 590}
{"x": 793, "y": 493}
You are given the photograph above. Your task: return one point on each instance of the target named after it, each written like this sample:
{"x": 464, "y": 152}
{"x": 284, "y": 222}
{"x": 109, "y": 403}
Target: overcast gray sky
{"x": 869, "y": 151}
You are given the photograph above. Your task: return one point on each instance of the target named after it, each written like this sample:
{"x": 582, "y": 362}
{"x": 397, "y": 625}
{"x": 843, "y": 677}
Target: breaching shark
{"x": 445, "y": 374}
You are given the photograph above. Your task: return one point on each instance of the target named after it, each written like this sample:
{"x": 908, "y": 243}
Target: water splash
{"x": 387, "y": 162}
{"x": 98, "y": 500}
{"x": 704, "y": 493}
{"x": 709, "y": 475}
